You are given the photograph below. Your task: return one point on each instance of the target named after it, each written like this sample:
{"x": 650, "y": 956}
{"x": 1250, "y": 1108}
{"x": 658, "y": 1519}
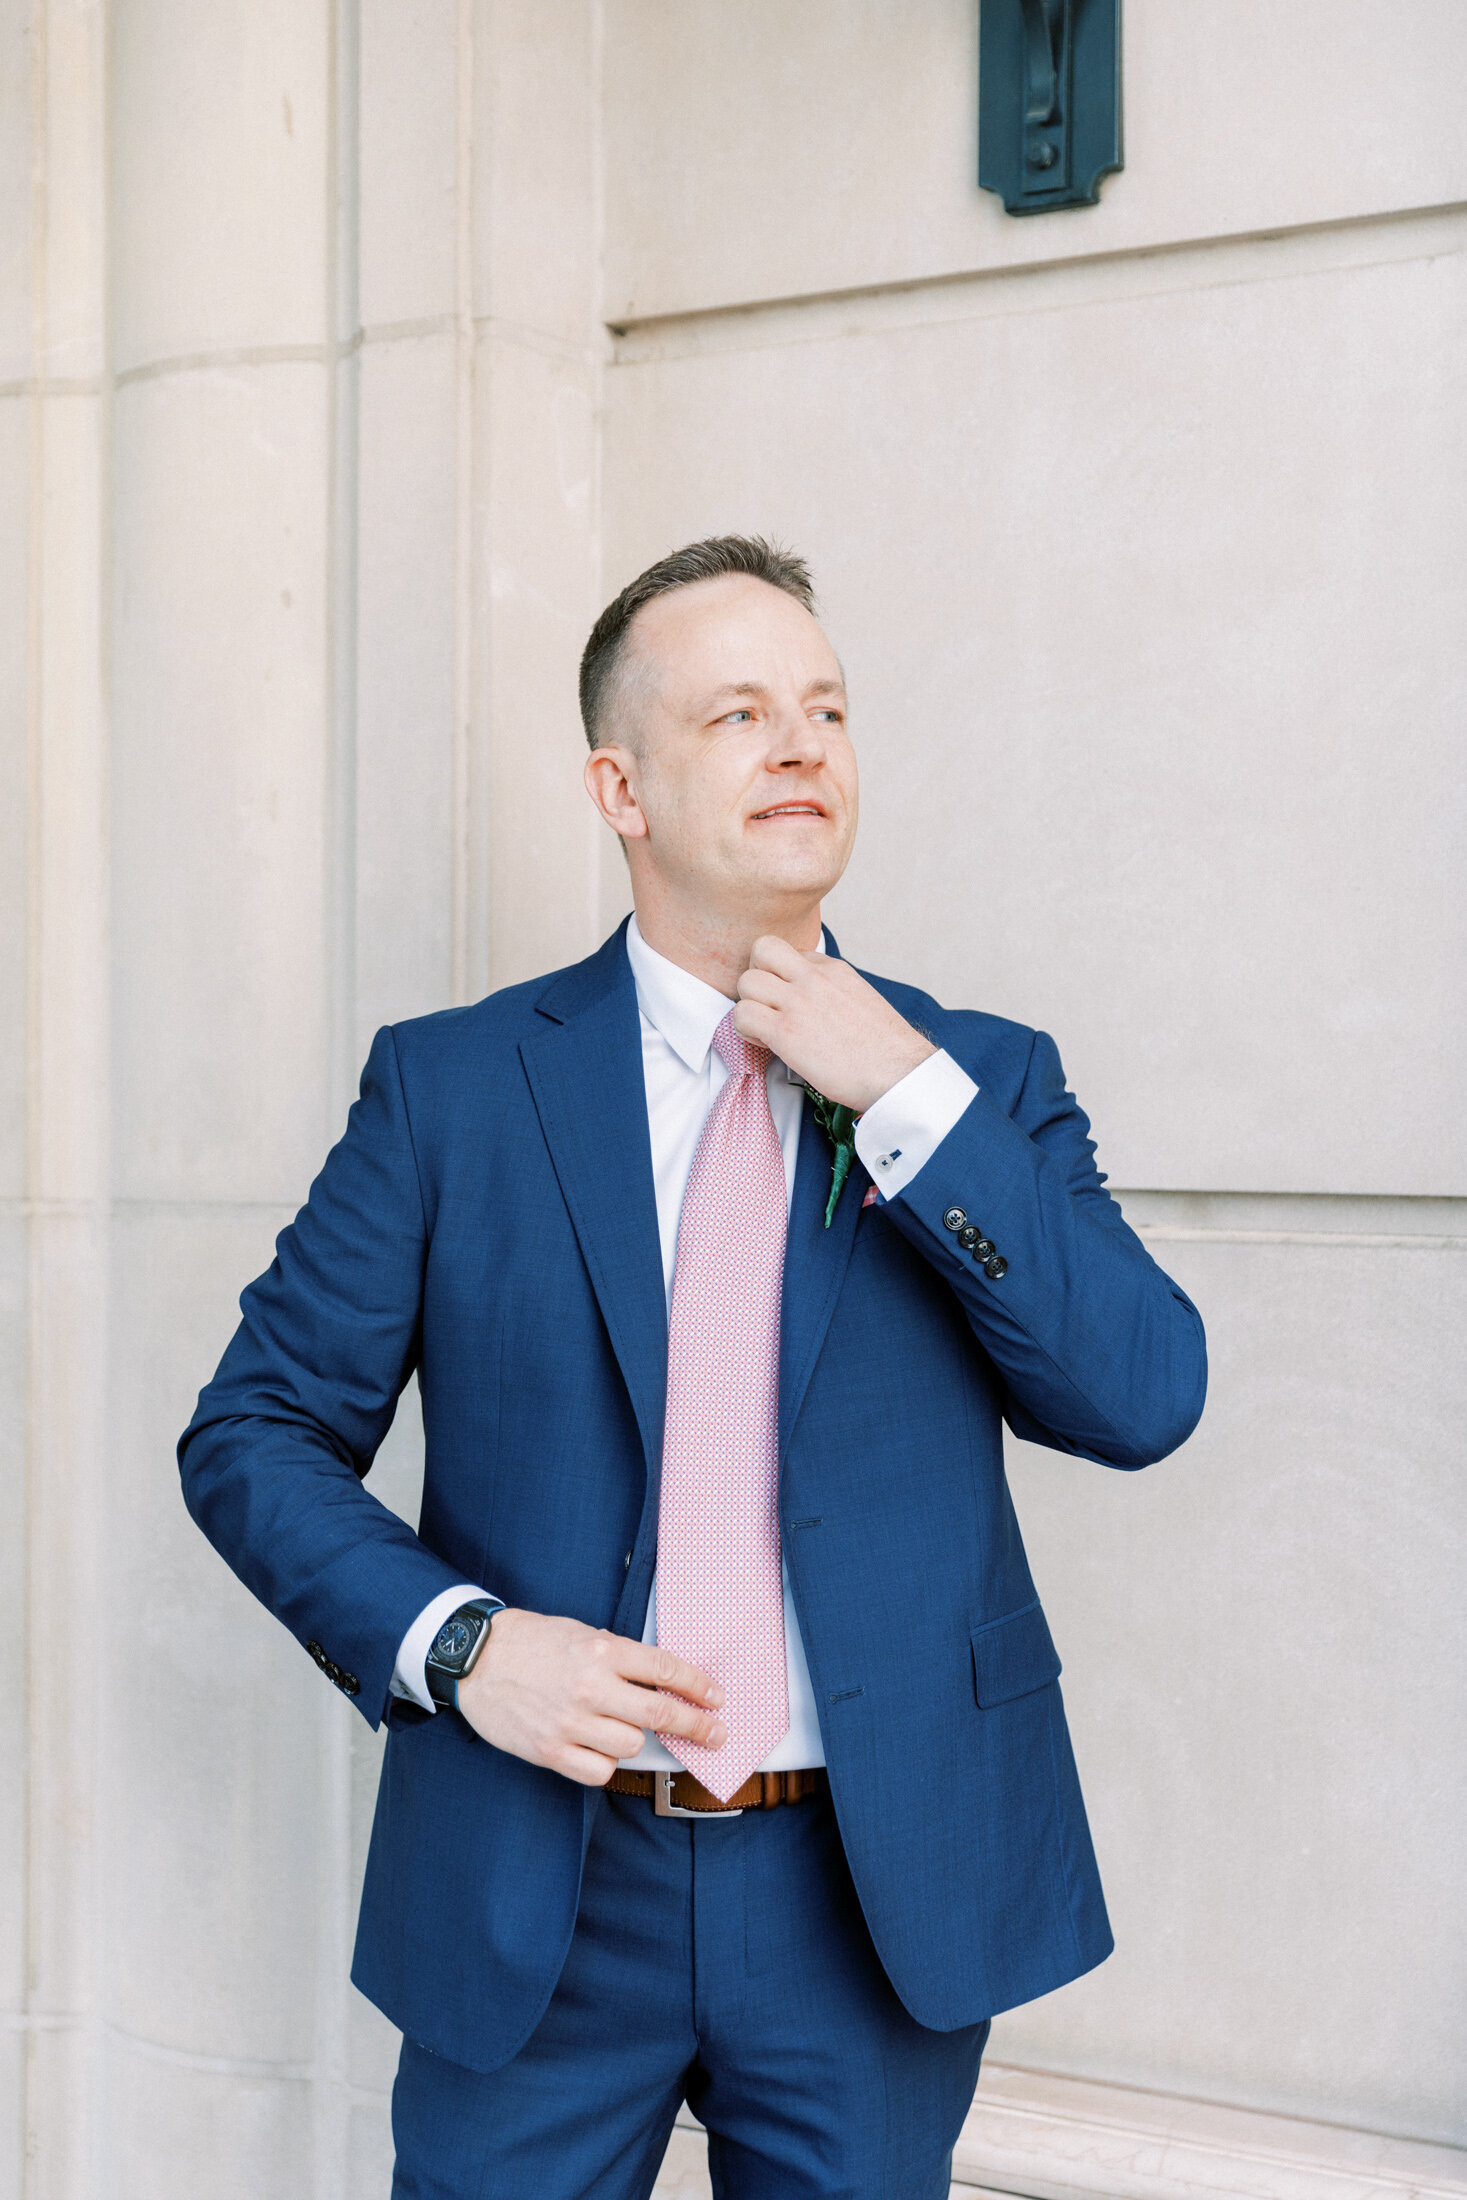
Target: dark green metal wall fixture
{"x": 1049, "y": 100}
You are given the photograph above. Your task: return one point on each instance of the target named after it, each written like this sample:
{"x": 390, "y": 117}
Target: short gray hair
{"x": 711, "y": 560}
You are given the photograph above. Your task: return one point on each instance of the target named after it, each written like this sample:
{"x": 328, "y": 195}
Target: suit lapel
{"x": 585, "y": 1072}
{"x": 815, "y": 1261}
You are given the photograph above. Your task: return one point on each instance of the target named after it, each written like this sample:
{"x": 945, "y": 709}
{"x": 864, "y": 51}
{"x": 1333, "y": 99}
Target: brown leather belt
{"x": 679, "y": 1795}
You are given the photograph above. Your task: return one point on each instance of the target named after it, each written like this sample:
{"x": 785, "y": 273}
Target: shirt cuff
{"x": 902, "y": 1130}
{"x": 409, "y": 1677}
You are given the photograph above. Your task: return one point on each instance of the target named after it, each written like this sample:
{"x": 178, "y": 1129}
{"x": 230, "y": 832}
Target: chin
{"x": 808, "y": 880}
{"x": 800, "y": 869}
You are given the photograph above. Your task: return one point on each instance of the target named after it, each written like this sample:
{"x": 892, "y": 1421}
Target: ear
{"x": 611, "y": 783}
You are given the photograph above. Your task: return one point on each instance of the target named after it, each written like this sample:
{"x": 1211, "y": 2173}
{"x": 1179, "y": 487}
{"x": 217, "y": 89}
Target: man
{"x": 714, "y": 1481}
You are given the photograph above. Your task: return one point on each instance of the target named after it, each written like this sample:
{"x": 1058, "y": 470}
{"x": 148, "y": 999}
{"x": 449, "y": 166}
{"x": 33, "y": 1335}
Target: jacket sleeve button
{"x": 983, "y": 1249}
{"x": 968, "y": 1236}
{"x": 954, "y": 1219}
{"x": 995, "y": 1267}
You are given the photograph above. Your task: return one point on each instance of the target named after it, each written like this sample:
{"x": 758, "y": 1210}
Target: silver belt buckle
{"x": 663, "y": 1805}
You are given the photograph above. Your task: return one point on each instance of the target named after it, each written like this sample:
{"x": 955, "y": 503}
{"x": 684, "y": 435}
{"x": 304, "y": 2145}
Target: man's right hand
{"x": 578, "y": 1699}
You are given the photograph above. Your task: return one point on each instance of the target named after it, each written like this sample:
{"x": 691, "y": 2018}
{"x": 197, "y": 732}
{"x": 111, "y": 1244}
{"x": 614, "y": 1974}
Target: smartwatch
{"x": 456, "y": 1647}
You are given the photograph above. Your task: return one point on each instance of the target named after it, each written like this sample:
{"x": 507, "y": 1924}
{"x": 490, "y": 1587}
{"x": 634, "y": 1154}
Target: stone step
{"x": 1043, "y": 2137}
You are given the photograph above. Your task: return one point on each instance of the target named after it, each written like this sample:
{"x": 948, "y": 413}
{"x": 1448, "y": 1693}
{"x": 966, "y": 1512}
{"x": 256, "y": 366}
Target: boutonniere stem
{"x": 839, "y": 1126}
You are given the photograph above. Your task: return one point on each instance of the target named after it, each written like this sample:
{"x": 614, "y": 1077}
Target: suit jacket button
{"x": 954, "y": 1219}
{"x": 969, "y": 1236}
{"x": 314, "y": 1650}
{"x": 995, "y": 1267}
{"x": 983, "y": 1249}
{"x": 351, "y": 1684}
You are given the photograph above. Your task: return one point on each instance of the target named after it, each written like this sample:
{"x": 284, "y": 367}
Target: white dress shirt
{"x": 684, "y": 1074}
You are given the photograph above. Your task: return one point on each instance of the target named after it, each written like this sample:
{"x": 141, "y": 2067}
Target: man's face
{"x": 743, "y": 765}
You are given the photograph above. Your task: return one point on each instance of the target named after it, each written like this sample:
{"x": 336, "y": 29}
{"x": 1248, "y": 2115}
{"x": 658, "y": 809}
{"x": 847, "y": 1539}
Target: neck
{"x": 715, "y": 947}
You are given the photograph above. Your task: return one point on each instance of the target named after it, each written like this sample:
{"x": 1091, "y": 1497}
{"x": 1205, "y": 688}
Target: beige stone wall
{"x": 348, "y": 355}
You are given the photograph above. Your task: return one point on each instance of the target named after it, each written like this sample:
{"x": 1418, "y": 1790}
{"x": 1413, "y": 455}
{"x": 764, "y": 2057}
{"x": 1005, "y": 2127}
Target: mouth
{"x": 788, "y": 809}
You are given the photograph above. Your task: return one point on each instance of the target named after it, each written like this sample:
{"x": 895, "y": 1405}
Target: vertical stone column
{"x": 530, "y": 837}
{"x": 54, "y": 1136}
{"x": 222, "y": 1761}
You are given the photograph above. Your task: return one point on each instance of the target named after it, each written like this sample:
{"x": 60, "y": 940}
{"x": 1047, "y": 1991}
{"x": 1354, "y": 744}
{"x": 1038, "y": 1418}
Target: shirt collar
{"x": 679, "y": 1007}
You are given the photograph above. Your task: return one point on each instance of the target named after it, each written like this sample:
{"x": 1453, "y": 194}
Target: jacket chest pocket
{"x": 1013, "y": 1656}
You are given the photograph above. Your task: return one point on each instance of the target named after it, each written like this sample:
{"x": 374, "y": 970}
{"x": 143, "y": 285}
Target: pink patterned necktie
{"x": 720, "y": 1599}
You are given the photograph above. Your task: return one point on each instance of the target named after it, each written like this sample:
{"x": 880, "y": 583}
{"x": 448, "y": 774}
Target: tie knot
{"x": 739, "y": 1056}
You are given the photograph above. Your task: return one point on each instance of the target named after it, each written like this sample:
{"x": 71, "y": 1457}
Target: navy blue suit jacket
{"x": 488, "y": 1222}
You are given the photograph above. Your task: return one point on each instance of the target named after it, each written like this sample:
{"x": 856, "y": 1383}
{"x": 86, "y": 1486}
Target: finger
{"x": 673, "y": 1716}
{"x": 753, "y": 1020}
{"x": 609, "y": 1735}
{"x": 587, "y": 1766}
{"x": 655, "y": 1666}
{"x": 658, "y": 1713}
{"x": 770, "y": 952}
{"x": 764, "y": 985}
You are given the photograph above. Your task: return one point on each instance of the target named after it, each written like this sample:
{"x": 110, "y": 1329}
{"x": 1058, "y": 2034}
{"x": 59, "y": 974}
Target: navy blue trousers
{"x": 726, "y": 1964}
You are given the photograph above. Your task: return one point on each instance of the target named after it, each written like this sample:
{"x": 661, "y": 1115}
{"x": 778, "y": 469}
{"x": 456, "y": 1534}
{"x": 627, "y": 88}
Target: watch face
{"x": 454, "y": 1641}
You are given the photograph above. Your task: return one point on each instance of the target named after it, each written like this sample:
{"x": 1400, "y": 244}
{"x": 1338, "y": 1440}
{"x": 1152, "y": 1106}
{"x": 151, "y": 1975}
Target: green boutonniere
{"x": 839, "y": 1126}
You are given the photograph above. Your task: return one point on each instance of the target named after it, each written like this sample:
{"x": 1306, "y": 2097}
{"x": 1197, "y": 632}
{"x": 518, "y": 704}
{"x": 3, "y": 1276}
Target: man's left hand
{"x": 826, "y": 1023}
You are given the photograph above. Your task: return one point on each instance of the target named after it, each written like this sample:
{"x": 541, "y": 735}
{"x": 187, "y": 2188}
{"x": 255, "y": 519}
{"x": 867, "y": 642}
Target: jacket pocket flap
{"x": 1013, "y": 1656}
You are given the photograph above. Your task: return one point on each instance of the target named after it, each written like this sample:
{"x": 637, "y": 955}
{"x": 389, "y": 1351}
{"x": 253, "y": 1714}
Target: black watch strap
{"x": 456, "y": 1647}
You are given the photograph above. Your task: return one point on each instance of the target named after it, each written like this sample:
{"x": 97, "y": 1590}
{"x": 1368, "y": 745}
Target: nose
{"x": 795, "y": 740}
